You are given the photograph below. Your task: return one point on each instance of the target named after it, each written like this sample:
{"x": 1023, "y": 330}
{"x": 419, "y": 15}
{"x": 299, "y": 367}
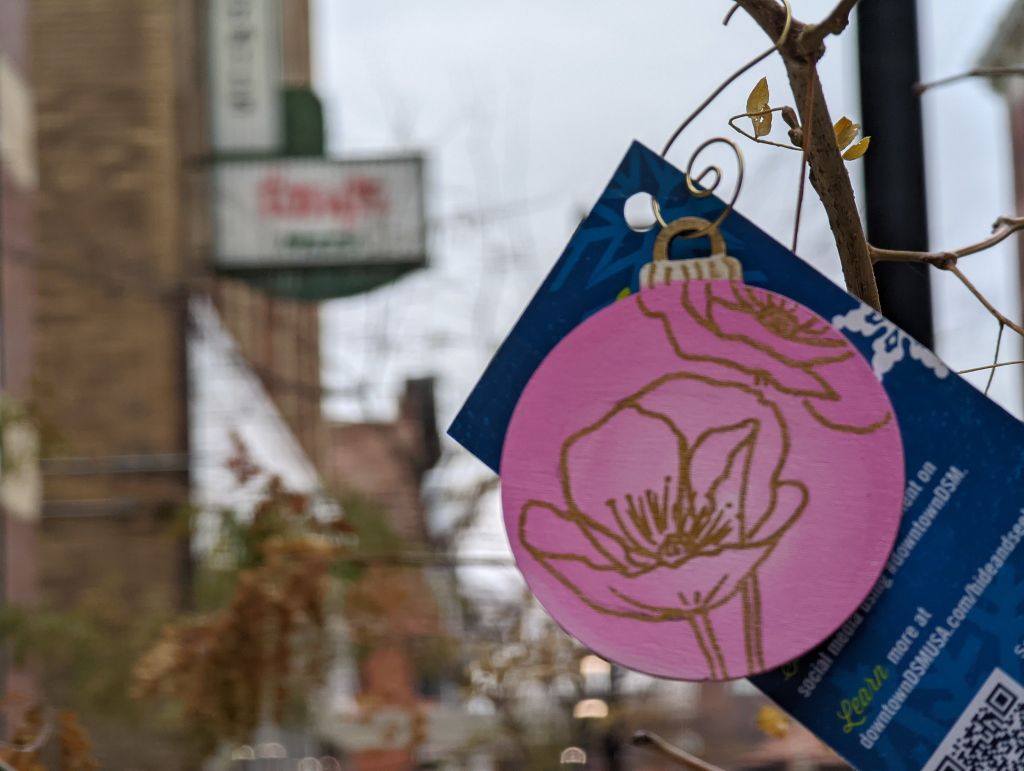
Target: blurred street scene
{"x": 235, "y": 320}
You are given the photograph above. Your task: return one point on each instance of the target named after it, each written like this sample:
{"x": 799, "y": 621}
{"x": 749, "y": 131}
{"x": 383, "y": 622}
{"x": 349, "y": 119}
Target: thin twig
{"x": 806, "y": 137}
{"x": 984, "y": 301}
{"x": 813, "y": 35}
{"x": 995, "y": 359}
{"x": 754, "y": 138}
{"x": 1003, "y": 228}
{"x": 674, "y": 754}
{"x": 714, "y": 95}
{"x": 977, "y": 72}
{"x": 1016, "y": 363}
{"x": 828, "y": 173}
{"x": 770, "y": 15}
{"x": 427, "y": 559}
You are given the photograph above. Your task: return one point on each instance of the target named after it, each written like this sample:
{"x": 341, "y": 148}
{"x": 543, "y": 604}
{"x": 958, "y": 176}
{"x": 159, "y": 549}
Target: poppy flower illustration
{"x": 668, "y": 516}
{"x": 768, "y": 337}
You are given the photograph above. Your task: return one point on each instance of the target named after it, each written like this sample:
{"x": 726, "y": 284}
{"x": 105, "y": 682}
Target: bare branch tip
{"x": 674, "y": 754}
{"x": 987, "y": 367}
{"x": 812, "y": 38}
{"x": 1016, "y": 223}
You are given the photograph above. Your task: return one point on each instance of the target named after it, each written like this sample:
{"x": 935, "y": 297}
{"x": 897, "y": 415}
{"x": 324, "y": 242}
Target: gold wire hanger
{"x": 696, "y": 185}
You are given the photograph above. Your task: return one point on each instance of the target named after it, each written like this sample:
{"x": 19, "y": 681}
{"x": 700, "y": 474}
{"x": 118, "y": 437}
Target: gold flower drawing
{"x": 668, "y": 515}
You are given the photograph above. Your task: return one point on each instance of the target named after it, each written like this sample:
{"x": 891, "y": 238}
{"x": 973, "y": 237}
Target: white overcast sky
{"x": 525, "y": 107}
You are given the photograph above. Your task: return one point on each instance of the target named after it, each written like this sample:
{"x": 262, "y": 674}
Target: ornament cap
{"x": 665, "y": 271}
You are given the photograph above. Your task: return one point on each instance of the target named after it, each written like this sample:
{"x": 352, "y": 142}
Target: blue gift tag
{"x": 927, "y": 674}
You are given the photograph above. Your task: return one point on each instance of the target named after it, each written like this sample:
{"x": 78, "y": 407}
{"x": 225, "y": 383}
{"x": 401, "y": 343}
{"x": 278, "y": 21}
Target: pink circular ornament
{"x": 703, "y": 480}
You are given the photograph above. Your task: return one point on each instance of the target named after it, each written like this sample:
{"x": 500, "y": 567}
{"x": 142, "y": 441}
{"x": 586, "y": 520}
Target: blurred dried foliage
{"x": 267, "y": 595}
{"x": 269, "y": 592}
{"x": 232, "y": 668}
{"x": 261, "y": 644}
{"x": 524, "y": 667}
{"x": 30, "y": 743}
{"x": 531, "y": 649}
{"x": 84, "y": 654}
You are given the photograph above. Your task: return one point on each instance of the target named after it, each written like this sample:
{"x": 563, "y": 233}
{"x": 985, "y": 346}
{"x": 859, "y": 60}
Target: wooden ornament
{"x": 703, "y": 480}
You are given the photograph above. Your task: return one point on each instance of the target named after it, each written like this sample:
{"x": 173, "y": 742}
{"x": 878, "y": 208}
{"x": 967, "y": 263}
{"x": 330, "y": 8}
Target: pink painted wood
{"x": 703, "y": 480}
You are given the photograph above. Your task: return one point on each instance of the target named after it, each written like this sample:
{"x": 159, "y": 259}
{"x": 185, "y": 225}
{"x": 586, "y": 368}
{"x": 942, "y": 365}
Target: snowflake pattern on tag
{"x": 891, "y": 344}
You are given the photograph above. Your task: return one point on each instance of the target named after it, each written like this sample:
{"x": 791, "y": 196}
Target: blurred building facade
{"x": 19, "y": 473}
{"x": 117, "y": 144}
{"x": 396, "y": 610}
{"x": 132, "y": 322}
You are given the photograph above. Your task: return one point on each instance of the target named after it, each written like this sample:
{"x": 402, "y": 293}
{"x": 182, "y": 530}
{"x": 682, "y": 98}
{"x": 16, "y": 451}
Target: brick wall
{"x": 18, "y": 486}
{"x": 297, "y": 69}
{"x": 280, "y": 340}
{"x": 110, "y": 321}
{"x": 384, "y": 464}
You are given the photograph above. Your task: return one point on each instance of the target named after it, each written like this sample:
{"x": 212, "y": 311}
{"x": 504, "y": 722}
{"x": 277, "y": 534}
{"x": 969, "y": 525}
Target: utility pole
{"x": 897, "y": 211}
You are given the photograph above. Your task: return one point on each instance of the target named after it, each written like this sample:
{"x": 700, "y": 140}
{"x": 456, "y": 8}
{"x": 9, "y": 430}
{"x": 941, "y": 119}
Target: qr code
{"x": 989, "y": 735}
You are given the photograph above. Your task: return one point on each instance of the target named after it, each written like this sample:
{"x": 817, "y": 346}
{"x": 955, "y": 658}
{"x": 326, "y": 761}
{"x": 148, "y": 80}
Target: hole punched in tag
{"x": 638, "y": 211}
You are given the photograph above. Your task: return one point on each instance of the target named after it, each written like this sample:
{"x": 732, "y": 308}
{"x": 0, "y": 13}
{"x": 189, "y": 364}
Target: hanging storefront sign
{"x": 312, "y": 213}
{"x": 318, "y": 228}
{"x": 245, "y": 76}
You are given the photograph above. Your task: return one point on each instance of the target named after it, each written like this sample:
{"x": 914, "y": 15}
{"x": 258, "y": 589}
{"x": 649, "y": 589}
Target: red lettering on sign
{"x": 358, "y": 197}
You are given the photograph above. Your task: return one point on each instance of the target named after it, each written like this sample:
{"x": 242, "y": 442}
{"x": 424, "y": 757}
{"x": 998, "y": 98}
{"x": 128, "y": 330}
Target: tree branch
{"x": 1003, "y": 228}
{"x": 995, "y": 359}
{"x": 812, "y": 39}
{"x": 828, "y": 173}
{"x": 991, "y": 366}
{"x": 831, "y": 181}
{"x": 673, "y": 754}
{"x": 771, "y": 17}
{"x": 800, "y": 52}
{"x": 977, "y": 72}
{"x": 984, "y": 301}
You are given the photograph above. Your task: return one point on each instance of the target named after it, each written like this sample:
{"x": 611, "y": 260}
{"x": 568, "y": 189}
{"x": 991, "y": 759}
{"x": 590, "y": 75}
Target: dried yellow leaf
{"x": 758, "y": 99}
{"x": 757, "y": 108}
{"x": 846, "y": 131}
{"x": 773, "y": 722}
{"x": 858, "y": 150}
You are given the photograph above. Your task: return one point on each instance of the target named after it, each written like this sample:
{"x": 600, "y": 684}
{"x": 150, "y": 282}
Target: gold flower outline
{"x": 681, "y": 544}
{"x": 779, "y": 317}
